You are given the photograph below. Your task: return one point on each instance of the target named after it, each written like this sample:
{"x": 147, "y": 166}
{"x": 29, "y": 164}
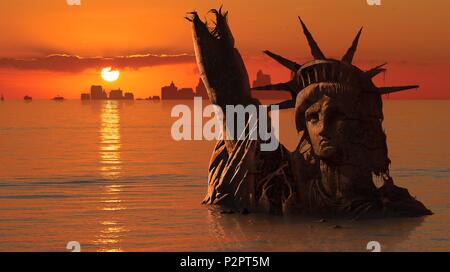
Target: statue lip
{"x": 326, "y": 146}
{"x": 324, "y": 142}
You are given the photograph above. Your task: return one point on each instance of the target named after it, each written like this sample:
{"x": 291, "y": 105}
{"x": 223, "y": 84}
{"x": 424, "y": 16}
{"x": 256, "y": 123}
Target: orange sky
{"x": 412, "y": 36}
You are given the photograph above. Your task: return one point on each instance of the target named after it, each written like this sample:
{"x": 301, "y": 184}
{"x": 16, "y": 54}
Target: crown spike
{"x": 348, "y": 57}
{"x": 375, "y": 70}
{"x": 275, "y": 87}
{"x": 315, "y": 50}
{"x": 283, "y": 61}
{"x": 287, "y": 104}
{"x": 286, "y": 86}
{"x": 388, "y": 90}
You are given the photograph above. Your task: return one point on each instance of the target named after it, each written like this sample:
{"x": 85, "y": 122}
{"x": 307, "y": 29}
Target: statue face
{"x": 326, "y": 123}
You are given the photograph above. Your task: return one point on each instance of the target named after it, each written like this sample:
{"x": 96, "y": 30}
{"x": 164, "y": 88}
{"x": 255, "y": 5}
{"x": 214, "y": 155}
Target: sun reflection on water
{"x": 112, "y": 230}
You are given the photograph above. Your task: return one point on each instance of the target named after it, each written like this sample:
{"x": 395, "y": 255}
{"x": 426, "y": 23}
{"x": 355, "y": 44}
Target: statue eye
{"x": 312, "y": 117}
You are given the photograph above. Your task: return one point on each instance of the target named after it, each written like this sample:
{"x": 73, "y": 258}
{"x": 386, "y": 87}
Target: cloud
{"x": 76, "y": 64}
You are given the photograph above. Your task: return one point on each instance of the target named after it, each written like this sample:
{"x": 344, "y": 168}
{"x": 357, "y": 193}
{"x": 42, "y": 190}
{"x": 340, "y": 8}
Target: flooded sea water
{"x": 109, "y": 175}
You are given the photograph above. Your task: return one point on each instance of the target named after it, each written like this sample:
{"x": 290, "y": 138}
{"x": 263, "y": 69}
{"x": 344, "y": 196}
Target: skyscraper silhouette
{"x": 116, "y": 94}
{"x": 262, "y": 79}
{"x": 169, "y": 92}
{"x": 97, "y": 92}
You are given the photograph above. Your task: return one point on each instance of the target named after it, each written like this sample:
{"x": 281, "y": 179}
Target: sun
{"x": 110, "y": 75}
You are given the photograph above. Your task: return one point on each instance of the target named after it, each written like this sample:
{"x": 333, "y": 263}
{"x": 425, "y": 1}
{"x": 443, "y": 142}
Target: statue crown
{"x": 322, "y": 69}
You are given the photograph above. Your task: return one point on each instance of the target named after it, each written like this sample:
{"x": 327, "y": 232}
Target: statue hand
{"x": 220, "y": 64}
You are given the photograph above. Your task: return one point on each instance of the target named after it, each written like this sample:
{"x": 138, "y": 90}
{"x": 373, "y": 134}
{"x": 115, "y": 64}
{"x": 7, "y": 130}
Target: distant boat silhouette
{"x": 58, "y": 98}
{"x": 27, "y": 98}
{"x": 153, "y": 98}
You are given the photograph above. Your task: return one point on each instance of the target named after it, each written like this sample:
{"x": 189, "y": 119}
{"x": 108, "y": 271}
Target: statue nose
{"x": 324, "y": 129}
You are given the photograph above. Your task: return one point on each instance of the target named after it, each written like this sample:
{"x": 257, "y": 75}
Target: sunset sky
{"x": 49, "y": 48}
